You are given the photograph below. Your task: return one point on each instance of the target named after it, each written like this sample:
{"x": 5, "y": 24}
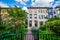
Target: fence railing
{"x": 35, "y": 36}
{"x": 49, "y": 37}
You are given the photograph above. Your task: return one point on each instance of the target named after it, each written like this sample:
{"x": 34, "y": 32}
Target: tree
{"x": 17, "y": 19}
{"x": 1, "y": 23}
{"x": 17, "y": 16}
{"x": 52, "y": 24}
{"x": 0, "y": 14}
{"x": 0, "y": 17}
{"x": 52, "y": 19}
{"x": 14, "y": 23}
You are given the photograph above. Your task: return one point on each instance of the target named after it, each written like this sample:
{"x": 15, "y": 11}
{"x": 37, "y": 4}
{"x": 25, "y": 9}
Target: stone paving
{"x": 29, "y": 35}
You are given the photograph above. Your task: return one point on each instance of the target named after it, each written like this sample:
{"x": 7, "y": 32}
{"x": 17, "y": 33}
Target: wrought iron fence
{"x": 49, "y": 36}
{"x": 34, "y": 37}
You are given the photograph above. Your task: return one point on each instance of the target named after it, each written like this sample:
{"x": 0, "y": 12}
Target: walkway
{"x": 29, "y": 35}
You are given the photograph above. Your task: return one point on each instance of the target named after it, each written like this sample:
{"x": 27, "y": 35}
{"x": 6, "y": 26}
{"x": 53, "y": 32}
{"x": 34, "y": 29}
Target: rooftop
{"x": 57, "y": 7}
{"x": 39, "y": 7}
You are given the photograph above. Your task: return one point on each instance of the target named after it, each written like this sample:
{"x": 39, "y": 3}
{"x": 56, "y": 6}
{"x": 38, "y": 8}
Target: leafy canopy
{"x": 52, "y": 24}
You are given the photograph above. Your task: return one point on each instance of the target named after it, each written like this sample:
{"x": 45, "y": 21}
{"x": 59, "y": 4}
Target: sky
{"x": 29, "y": 3}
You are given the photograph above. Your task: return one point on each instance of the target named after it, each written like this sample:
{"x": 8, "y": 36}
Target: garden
{"x": 12, "y": 27}
{"x": 49, "y": 31}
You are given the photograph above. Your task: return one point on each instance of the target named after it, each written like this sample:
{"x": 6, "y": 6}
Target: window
{"x": 30, "y": 11}
{"x": 35, "y": 16}
{"x": 3, "y": 11}
{"x": 46, "y": 16}
{"x": 55, "y": 16}
{"x": 58, "y": 11}
{"x": 39, "y": 11}
{"x": 43, "y": 11}
{"x": 41, "y": 22}
{"x": 40, "y": 16}
{"x": 30, "y": 15}
{"x": 36, "y": 23}
{"x": 35, "y": 11}
{"x": 46, "y": 11}
{"x": 49, "y": 10}
{"x": 30, "y": 23}
{"x": 54, "y": 12}
{"x": 26, "y": 21}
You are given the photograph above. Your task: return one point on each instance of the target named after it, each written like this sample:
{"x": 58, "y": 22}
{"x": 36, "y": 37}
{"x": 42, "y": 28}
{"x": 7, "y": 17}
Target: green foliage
{"x": 50, "y": 29}
{"x": 35, "y": 31}
{"x": 10, "y": 35}
{"x": 48, "y": 37}
{"x": 59, "y": 9}
{"x": 18, "y": 16}
{"x": 17, "y": 13}
{"x": 54, "y": 18}
{"x": 13, "y": 27}
{"x": 52, "y": 25}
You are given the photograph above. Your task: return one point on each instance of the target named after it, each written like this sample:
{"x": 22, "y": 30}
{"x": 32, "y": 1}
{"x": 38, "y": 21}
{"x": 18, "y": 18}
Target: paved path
{"x": 29, "y": 35}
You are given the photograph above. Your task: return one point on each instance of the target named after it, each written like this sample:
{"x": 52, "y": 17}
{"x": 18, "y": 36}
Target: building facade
{"x": 38, "y": 16}
{"x": 57, "y": 11}
{"x": 3, "y": 14}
